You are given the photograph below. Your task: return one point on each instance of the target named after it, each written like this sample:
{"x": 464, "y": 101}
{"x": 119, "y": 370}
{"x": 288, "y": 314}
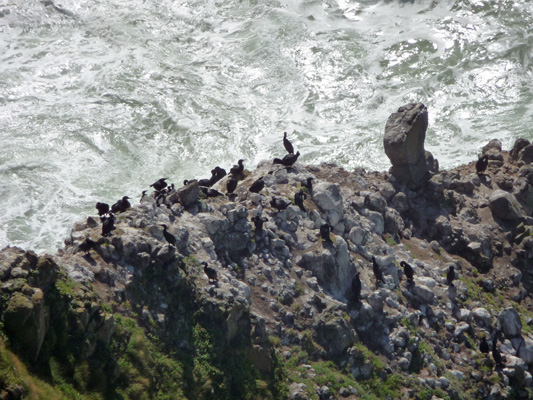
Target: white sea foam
{"x": 100, "y": 101}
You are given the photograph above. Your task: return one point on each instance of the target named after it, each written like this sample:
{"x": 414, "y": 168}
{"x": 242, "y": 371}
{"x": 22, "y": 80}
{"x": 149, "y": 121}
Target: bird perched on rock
{"x": 210, "y": 192}
{"x": 122, "y": 205}
{"x": 481, "y": 164}
{"x": 236, "y": 170}
{"x": 160, "y": 184}
{"x": 258, "y": 223}
{"x": 484, "y": 346}
{"x": 287, "y": 144}
{"x": 87, "y": 245}
{"x": 377, "y": 270}
{"x": 169, "y": 237}
{"x": 217, "y": 174}
{"x": 142, "y": 195}
{"x": 356, "y": 287}
{"x": 210, "y": 272}
{"x": 288, "y": 160}
{"x": 450, "y": 276}
{"x": 496, "y": 355}
{"x": 299, "y": 198}
{"x": 231, "y": 185}
{"x": 279, "y": 203}
{"x": 108, "y": 224}
{"x": 408, "y": 271}
{"x": 258, "y": 185}
{"x": 102, "y": 208}
{"x": 325, "y": 230}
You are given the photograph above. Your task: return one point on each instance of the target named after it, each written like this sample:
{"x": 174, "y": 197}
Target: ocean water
{"x": 98, "y": 99}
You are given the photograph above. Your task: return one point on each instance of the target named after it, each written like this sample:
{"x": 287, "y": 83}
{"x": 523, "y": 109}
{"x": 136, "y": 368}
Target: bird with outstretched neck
{"x": 287, "y": 144}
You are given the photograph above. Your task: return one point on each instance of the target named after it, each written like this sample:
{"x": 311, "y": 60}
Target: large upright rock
{"x": 405, "y": 133}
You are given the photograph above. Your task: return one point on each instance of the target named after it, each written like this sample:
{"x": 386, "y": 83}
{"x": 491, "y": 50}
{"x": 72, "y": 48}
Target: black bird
{"x": 217, "y": 174}
{"x": 231, "y": 185}
{"x": 496, "y": 353}
{"x": 258, "y": 222}
{"x": 484, "y": 346}
{"x": 210, "y": 272}
{"x": 210, "y": 192}
{"x": 325, "y": 230}
{"x": 87, "y": 245}
{"x": 169, "y": 237}
{"x": 122, "y": 205}
{"x": 108, "y": 224}
{"x": 205, "y": 182}
{"x": 143, "y": 194}
{"x": 377, "y": 270}
{"x": 308, "y": 184}
{"x": 287, "y": 143}
{"x": 236, "y": 170}
{"x": 257, "y": 186}
{"x": 279, "y": 203}
{"x": 450, "y": 276}
{"x": 159, "y": 185}
{"x": 102, "y": 208}
{"x": 408, "y": 271}
{"x": 299, "y": 198}
{"x": 482, "y": 163}
{"x": 288, "y": 160}
{"x": 356, "y": 287}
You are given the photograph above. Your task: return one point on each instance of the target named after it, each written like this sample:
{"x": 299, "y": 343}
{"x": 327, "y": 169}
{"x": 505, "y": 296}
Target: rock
{"x": 188, "y": 194}
{"x": 494, "y": 144}
{"x": 510, "y": 322}
{"x": 25, "y": 321}
{"x": 482, "y": 317}
{"x": 504, "y": 206}
{"x": 335, "y": 335}
{"x": 297, "y": 391}
{"x": 423, "y": 294}
{"x": 405, "y": 133}
{"x": 327, "y": 197}
{"x": 519, "y": 144}
{"x": 526, "y": 154}
{"x": 393, "y": 221}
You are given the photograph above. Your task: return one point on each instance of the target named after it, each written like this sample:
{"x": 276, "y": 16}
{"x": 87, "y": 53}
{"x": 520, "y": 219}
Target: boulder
{"x": 405, "y": 133}
{"x": 504, "y": 205}
{"x": 510, "y": 322}
{"x": 526, "y": 154}
{"x": 515, "y": 151}
{"x": 189, "y": 193}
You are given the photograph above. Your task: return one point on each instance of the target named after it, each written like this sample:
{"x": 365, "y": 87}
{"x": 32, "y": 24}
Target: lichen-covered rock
{"x": 405, "y": 133}
{"x": 519, "y": 144}
{"x": 25, "y": 320}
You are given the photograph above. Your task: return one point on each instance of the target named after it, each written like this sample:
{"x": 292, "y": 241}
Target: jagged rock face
{"x": 405, "y": 133}
{"x": 504, "y": 205}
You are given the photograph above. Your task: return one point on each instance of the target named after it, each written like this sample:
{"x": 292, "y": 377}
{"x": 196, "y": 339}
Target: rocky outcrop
{"x": 284, "y": 316}
{"x": 405, "y": 133}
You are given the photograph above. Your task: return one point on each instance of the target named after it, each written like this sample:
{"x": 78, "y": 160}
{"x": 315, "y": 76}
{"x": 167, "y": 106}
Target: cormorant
{"x": 217, "y": 174}
{"x": 204, "y": 182}
{"x": 236, "y": 170}
{"x": 102, "y": 208}
{"x": 122, "y": 205}
{"x": 377, "y": 270}
{"x": 108, "y": 224}
{"x": 169, "y": 237}
{"x": 325, "y": 230}
{"x": 308, "y": 184}
{"x": 450, "y": 276}
{"x": 143, "y": 194}
{"x": 288, "y": 160}
{"x": 484, "y": 346}
{"x": 299, "y": 198}
{"x": 408, "y": 271}
{"x": 87, "y": 245}
{"x": 231, "y": 185}
{"x": 496, "y": 353}
{"x": 160, "y": 184}
{"x": 287, "y": 143}
{"x": 356, "y": 287}
{"x": 279, "y": 204}
{"x": 210, "y": 272}
{"x": 257, "y": 186}
{"x": 482, "y": 163}
{"x": 210, "y": 192}
{"x": 258, "y": 222}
